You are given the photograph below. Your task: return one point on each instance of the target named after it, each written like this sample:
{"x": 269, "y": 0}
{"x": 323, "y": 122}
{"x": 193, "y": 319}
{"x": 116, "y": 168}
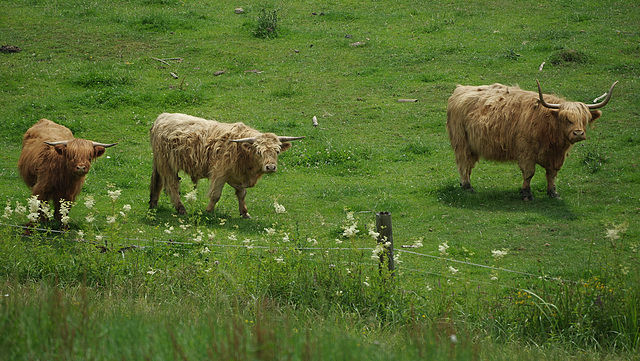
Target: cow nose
{"x": 81, "y": 169}
{"x": 579, "y": 135}
{"x": 270, "y": 168}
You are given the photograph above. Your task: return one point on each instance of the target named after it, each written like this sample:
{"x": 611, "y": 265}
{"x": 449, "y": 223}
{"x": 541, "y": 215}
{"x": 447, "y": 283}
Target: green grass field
{"x": 136, "y": 284}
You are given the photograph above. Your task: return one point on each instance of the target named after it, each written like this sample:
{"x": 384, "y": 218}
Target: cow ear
{"x": 595, "y": 114}
{"x": 284, "y": 147}
{"x": 98, "y": 151}
{"x": 60, "y": 148}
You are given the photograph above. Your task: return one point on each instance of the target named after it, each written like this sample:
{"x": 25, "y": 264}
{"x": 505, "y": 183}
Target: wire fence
{"x": 136, "y": 243}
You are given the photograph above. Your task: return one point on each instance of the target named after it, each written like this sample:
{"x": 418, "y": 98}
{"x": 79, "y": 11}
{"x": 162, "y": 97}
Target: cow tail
{"x": 155, "y": 187}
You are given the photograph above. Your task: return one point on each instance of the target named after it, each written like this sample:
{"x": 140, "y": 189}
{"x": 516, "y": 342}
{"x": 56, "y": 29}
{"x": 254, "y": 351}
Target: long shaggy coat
{"x": 503, "y": 123}
{"x": 206, "y": 149}
{"x": 55, "y": 172}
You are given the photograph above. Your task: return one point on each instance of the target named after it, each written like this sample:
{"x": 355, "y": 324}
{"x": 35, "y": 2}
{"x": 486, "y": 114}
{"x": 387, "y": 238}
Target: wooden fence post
{"x": 385, "y": 237}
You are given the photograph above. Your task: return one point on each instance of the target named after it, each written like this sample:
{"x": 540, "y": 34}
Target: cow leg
{"x": 215, "y": 192}
{"x": 465, "y": 165}
{"x": 155, "y": 187}
{"x": 551, "y": 183}
{"x": 172, "y": 186}
{"x": 241, "y": 192}
{"x": 528, "y": 170}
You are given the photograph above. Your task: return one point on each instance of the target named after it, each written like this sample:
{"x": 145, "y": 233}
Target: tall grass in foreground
{"x": 90, "y": 294}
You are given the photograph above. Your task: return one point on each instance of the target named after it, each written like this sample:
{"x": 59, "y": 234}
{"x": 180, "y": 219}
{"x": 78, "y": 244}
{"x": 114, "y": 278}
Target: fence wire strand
{"x": 237, "y": 246}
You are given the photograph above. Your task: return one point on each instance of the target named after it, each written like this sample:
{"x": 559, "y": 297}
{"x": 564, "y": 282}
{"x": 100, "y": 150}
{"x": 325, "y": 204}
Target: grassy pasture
{"x": 217, "y": 286}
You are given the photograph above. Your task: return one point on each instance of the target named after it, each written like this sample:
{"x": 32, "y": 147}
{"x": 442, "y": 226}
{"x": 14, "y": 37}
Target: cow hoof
{"x": 468, "y": 188}
{"x": 553, "y": 194}
{"x": 181, "y": 210}
{"x": 245, "y": 215}
{"x": 526, "y": 195}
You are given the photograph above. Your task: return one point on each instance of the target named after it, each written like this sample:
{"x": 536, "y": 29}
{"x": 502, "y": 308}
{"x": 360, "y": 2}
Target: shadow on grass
{"x": 218, "y": 219}
{"x": 503, "y": 200}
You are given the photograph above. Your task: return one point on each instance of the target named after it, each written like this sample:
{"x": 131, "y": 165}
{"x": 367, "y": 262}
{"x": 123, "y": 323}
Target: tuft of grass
{"x": 101, "y": 78}
{"x": 564, "y": 56}
{"x": 266, "y": 26}
{"x": 594, "y": 160}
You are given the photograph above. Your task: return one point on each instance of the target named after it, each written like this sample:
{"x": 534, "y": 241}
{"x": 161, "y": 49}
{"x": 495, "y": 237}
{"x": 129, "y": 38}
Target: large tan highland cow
{"x": 498, "y": 122}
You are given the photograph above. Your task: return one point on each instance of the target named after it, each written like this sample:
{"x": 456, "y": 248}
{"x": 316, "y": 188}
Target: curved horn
{"x": 244, "y": 140}
{"x": 57, "y": 142}
{"x": 605, "y": 101}
{"x": 96, "y": 144}
{"x": 545, "y": 104}
{"x": 288, "y": 139}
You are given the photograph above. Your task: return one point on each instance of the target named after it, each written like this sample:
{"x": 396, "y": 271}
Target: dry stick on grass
{"x": 165, "y": 60}
{"x": 160, "y": 60}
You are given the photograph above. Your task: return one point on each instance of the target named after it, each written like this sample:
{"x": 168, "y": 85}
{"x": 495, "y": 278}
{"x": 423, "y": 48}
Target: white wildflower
{"x": 126, "y": 207}
{"x": 453, "y": 270}
{"x": 80, "y": 234}
{"x": 396, "y": 258}
{"x": 498, "y": 253}
{"x": 443, "y": 248}
{"x": 366, "y": 284}
{"x": 191, "y": 196}
{"x": 279, "y": 207}
{"x": 205, "y": 250}
{"x": 65, "y": 206}
{"x": 279, "y": 260}
{"x": 20, "y": 209}
{"x": 152, "y": 271}
{"x": 418, "y": 243}
{"x": 34, "y": 204}
{"x": 111, "y": 219}
{"x": 33, "y": 217}
{"x": 373, "y": 233}
{"x": 312, "y": 241}
{"x": 350, "y": 216}
{"x": 285, "y": 238}
{"x": 46, "y": 210}
{"x": 89, "y": 202}
{"x": 375, "y": 254}
{"x": 169, "y": 230}
{"x": 338, "y": 241}
{"x": 90, "y": 218}
{"x": 613, "y": 234}
{"x": 350, "y": 231}
{"x": 270, "y": 231}
{"x": 232, "y": 237}
{"x": 99, "y": 237}
{"x": 7, "y": 210}
{"x": 114, "y": 195}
